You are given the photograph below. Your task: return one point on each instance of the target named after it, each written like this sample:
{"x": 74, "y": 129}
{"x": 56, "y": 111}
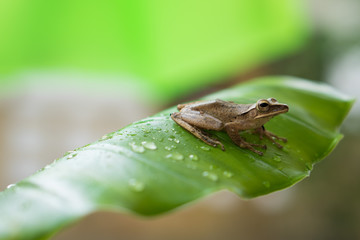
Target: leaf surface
{"x": 153, "y": 166}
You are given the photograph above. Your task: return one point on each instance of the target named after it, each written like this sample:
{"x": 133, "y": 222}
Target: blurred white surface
{"x": 42, "y": 122}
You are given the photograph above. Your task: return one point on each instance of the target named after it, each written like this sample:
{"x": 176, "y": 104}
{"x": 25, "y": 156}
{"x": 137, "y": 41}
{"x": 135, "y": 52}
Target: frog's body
{"x": 231, "y": 117}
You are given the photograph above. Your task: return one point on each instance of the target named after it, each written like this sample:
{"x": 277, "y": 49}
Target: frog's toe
{"x": 222, "y": 146}
{"x": 263, "y": 146}
{"x": 257, "y": 152}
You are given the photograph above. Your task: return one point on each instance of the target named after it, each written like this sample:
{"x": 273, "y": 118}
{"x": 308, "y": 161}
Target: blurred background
{"x": 72, "y": 71}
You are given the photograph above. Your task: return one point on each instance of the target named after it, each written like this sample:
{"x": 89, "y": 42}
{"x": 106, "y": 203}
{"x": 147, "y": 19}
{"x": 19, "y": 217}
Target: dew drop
{"x": 105, "y": 137}
{"x": 136, "y": 148}
{"x": 176, "y": 140}
{"x": 176, "y": 156}
{"x": 205, "y": 148}
{"x": 277, "y": 159}
{"x": 228, "y": 174}
{"x": 266, "y": 184}
{"x": 69, "y": 152}
{"x": 169, "y": 148}
{"x": 10, "y": 186}
{"x": 136, "y": 185}
{"x": 193, "y": 157}
{"x": 171, "y": 138}
{"x": 71, "y": 155}
{"x": 149, "y": 145}
{"x": 212, "y": 176}
{"x": 286, "y": 148}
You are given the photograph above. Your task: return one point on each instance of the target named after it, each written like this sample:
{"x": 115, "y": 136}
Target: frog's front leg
{"x": 263, "y": 132}
{"x": 233, "y": 132}
{"x": 192, "y": 120}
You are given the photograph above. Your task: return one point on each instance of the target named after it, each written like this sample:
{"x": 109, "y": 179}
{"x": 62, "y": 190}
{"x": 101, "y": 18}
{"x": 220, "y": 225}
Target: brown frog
{"x": 230, "y": 117}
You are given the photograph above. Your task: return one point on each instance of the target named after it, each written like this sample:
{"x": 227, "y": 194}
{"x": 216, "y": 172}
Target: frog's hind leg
{"x": 238, "y": 140}
{"x": 196, "y": 131}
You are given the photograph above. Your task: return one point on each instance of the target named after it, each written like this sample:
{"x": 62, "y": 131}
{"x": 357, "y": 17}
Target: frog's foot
{"x": 238, "y": 140}
{"x": 263, "y": 146}
{"x": 251, "y": 146}
{"x": 262, "y": 132}
{"x": 208, "y": 139}
{"x": 205, "y": 137}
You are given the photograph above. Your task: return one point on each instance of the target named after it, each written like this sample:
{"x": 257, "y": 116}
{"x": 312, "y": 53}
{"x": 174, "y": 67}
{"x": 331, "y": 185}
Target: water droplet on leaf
{"x": 72, "y": 155}
{"x": 136, "y": 148}
{"x": 105, "y": 137}
{"x": 277, "y": 159}
{"x": 169, "y": 148}
{"x": 176, "y": 156}
{"x": 205, "y": 148}
{"x": 149, "y": 145}
{"x": 212, "y": 176}
{"x": 193, "y": 157}
{"x": 136, "y": 185}
{"x": 228, "y": 174}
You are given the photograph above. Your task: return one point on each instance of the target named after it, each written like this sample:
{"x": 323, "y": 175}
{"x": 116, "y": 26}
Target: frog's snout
{"x": 286, "y": 108}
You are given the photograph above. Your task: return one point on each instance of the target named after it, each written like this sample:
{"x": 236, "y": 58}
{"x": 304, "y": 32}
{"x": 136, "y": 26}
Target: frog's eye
{"x": 273, "y": 100}
{"x": 262, "y": 105}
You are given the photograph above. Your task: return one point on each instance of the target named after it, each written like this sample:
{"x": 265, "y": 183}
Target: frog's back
{"x": 218, "y": 108}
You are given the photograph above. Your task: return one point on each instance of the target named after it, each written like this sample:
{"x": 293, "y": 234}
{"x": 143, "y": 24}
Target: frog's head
{"x": 269, "y": 108}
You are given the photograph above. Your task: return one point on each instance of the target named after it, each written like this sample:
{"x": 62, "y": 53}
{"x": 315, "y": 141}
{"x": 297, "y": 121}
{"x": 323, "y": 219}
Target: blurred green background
{"x": 72, "y": 71}
{"x": 164, "y": 48}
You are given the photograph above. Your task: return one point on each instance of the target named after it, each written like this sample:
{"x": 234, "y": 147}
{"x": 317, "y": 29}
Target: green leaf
{"x": 153, "y": 166}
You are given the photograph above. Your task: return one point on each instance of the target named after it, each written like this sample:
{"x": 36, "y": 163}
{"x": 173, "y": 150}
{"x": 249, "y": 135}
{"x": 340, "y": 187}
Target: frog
{"x": 218, "y": 115}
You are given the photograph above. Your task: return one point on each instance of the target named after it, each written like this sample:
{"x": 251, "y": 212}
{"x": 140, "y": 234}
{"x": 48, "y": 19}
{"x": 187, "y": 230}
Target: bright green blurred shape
{"x": 169, "y": 46}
